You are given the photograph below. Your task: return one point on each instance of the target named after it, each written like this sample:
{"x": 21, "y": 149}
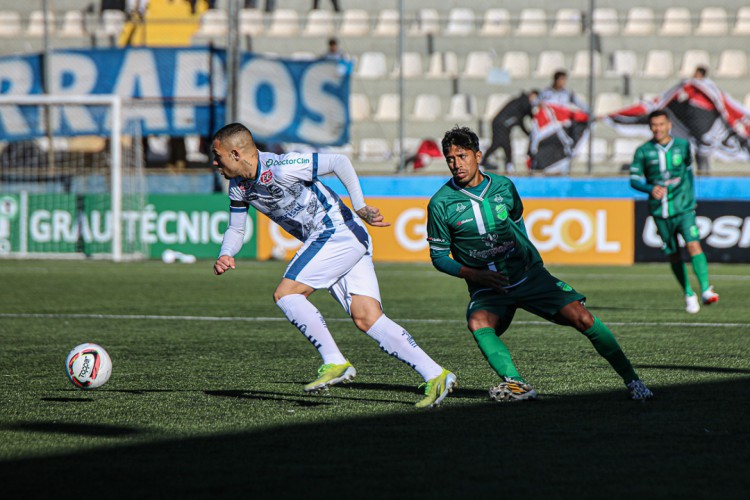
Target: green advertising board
{"x": 66, "y": 223}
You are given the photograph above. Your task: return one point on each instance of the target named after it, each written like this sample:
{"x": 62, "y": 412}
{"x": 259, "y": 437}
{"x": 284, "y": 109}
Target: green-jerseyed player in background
{"x": 477, "y": 218}
{"x": 662, "y": 167}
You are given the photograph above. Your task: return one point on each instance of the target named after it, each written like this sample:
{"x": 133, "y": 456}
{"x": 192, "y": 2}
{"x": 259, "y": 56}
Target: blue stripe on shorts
{"x": 299, "y": 264}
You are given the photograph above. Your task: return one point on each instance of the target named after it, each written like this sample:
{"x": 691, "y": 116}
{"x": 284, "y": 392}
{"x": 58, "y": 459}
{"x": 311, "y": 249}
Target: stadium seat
{"x": 387, "y": 23}
{"x": 319, "y": 23}
{"x": 746, "y": 101}
{"x": 284, "y": 23}
{"x": 72, "y": 24}
{"x": 742, "y": 26}
{"x": 568, "y": 22}
{"x": 676, "y": 22}
{"x": 607, "y": 102}
{"x": 374, "y": 149}
{"x": 691, "y": 59}
{"x": 10, "y": 23}
{"x": 712, "y": 21}
{"x": 388, "y": 108}
{"x": 599, "y": 151}
{"x": 427, "y": 107}
{"x": 460, "y": 22}
{"x": 549, "y": 61}
{"x": 532, "y": 22}
{"x": 520, "y": 149}
{"x": 36, "y": 23}
{"x": 355, "y": 22}
{"x": 251, "y": 22}
{"x": 581, "y": 66}
{"x": 359, "y": 107}
{"x": 371, "y": 65}
{"x": 412, "y": 64}
{"x": 495, "y": 103}
{"x": 442, "y": 65}
{"x": 496, "y": 23}
{"x": 659, "y": 64}
{"x": 624, "y": 62}
{"x": 213, "y": 22}
{"x": 411, "y": 144}
{"x": 478, "y": 64}
{"x": 640, "y": 22}
{"x": 605, "y": 21}
{"x": 462, "y": 108}
{"x": 732, "y": 64}
{"x": 516, "y": 63}
{"x": 426, "y": 23}
{"x": 623, "y": 149}
{"x": 113, "y": 22}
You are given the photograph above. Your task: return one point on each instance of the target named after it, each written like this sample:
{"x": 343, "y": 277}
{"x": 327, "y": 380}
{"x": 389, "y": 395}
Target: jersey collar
{"x": 472, "y": 195}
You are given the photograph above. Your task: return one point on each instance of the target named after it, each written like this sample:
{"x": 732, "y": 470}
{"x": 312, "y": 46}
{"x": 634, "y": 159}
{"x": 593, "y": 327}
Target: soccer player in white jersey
{"x": 336, "y": 253}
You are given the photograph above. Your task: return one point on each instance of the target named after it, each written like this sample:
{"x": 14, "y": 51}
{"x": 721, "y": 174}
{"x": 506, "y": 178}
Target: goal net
{"x": 71, "y": 179}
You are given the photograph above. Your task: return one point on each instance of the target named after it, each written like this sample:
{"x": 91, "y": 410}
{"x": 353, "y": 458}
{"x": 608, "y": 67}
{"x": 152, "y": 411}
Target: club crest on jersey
{"x": 245, "y": 184}
{"x": 677, "y": 159}
{"x": 460, "y": 207}
{"x": 497, "y": 199}
{"x": 501, "y": 211}
{"x": 266, "y": 177}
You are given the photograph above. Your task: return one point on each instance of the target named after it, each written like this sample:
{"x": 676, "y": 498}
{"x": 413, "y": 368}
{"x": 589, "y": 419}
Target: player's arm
{"x": 342, "y": 168}
{"x": 638, "y": 179}
{"x": 516, "y": 215}
{"x": 233, "y": 237}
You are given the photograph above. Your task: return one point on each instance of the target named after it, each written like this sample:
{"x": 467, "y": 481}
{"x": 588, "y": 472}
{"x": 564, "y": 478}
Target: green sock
{"x": 496, "y": 353}
{"x": 700, "y": 268}
{"x": 680, "y": 271}
{"x": 608, "y": 348}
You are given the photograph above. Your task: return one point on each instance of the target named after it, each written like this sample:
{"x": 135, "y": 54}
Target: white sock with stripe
{"x": 308, "y": 320}
{"x": 397, "y": 342}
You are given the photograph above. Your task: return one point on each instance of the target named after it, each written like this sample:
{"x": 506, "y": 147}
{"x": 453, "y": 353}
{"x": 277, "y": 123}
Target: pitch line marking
{"x": 282, "y": 319}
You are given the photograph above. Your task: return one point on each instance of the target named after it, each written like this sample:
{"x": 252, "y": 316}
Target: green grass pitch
{"x": 206, "y": 398}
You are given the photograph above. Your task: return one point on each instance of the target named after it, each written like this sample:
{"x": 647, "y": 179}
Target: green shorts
{"x": 668, "y": 229}
{"x": 541, "y": 294}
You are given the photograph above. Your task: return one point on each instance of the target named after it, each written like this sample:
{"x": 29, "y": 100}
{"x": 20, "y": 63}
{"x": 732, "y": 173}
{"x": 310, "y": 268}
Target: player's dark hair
{"x": 657, "y": 113}
{"x": 231, "y": 130}
{"x": 559, "y": 74}
{"x": 463, "y": 137}
{"x": 702, "y": 71}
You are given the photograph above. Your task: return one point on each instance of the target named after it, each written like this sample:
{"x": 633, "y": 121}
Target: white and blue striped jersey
{"x": 287, "y": 190}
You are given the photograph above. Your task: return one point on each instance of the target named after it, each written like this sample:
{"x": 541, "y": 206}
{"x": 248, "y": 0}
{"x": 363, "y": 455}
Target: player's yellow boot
{"x": 436, "y": 389}
{"x": 331, "y": 374}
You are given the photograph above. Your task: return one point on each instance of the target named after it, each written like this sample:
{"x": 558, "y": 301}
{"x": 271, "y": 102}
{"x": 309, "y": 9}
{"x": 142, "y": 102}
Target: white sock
{"x": 397, "y": 342}
{"x": 308, "y": 320}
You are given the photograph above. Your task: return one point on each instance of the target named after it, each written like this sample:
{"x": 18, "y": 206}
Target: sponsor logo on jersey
{"x": 460, "y": 207}
{"x": 489, "y": 239}
{"x": 266, "y": 177}
{"x": 501, "y": 211}
{"x": 461, "y": 222}
{"x": 505, "y": 249}
{"x": 289, "y": 161}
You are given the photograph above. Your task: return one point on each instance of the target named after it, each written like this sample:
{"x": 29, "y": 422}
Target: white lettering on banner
{"x": 72, "y": 74}
{"x": 190, "y": 67}
{"x": 557, "y": 230}
{"x": 420, "y": 229}
{"x": 168, "y": 227}
{"x": 273, "y": 77}
{"x": 17, "y": 78}
{"x": 139, "y": 76}
{"x": 323, "y": 104}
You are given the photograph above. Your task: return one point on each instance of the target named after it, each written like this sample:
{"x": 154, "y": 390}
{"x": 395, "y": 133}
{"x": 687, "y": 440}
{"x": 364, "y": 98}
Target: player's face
{"x": 464, "y": 165}
{"x": 660, "y": 127}
{"x": 226, "y": 160}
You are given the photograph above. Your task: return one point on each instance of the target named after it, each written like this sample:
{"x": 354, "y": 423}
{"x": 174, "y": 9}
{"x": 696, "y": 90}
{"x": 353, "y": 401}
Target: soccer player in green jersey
{"x": 476, "y": 232}
{"x": 662, "y": 167}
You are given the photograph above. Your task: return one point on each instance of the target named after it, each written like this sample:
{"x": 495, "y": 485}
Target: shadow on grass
{"x": 74, "y": 429}
{"x": 692, "y": 441}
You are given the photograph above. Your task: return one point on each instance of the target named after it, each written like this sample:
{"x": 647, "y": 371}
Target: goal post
{"x": 68, "y": 166}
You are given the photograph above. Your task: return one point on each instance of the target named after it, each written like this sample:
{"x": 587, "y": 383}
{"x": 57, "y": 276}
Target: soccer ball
{"x": 88, "y": 366}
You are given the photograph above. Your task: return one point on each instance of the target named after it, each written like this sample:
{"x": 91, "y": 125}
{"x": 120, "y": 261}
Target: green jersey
{"x": 483, "y": 230}
{"x": 668, "y": 166}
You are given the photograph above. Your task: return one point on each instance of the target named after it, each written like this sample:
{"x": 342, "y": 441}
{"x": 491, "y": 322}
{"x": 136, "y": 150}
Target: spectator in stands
{"x": 136, "y": 8}
{"x": 334, "y": 52}
{"x": 334, "y": 3}
{"x": 511, "y": 115}
{"x": 558, "y": 94}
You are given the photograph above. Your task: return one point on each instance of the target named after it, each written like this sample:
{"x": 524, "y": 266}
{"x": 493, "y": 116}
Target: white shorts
{"x": 340, "y": 261}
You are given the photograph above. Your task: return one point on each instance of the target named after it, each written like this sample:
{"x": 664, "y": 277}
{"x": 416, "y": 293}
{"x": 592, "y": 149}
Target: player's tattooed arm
{"x": 372, "y": 216}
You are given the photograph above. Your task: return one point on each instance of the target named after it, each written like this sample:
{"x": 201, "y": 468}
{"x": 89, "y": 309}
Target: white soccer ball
{"x": 88, "y": 366}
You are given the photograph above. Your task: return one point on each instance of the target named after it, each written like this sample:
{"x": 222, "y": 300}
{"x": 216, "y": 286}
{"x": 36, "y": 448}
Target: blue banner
{"x": 181, "y": 91}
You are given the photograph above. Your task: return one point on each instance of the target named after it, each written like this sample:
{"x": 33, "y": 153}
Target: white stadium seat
{"x": 732, "y": 64}
{"x": 640, "y": 22}
{"x": 412, "y": 64}
{"x": 532, "y": 22}
{"x": 73, "y": 24}
{"x": 549, "y": 61}
{"x": 426, "y": 23}
{"x": 462, "y": 108}
{"x": 496, "y": 23}
{"x": 691, "y": 59}
{"x": 495, "y": 103}
{"x": 568, "y": 22}
{"x": 742, "y": 26}
{"x": 319, "y": 23}
{"x": 36, "y": 23}
{"x": 599, "y": 151}
{"x": 442, "y": 65}
{"x": 581, "y": 64}
{"x": 387, "y": 23}
{"x": 374, "y": 149}
{"x": 355, "y": 22}
{"x": 427, "y": 107}
{"x": 460, "y": 22}
{"x": 478, "y": 64}
{"x": 659, "y": 64}
{"x": 623, "y": 149}
{"x": 713, "y": 21}
{"x": 516, "y": 63}
{"x": 251, "y": 22}
{"x": 113, "y": 22}
{"x": 676, "y": 22}
{"x": 605, "y": 21}
{"x": 371, "y": 66}
{"x": 10, "y": 23}
{"x": 624, "y": 62}
{"x": 284, "y": 23}
{"x": 388, "y": 108}
{"x": 607, "y": 102}
{"x": 359, "y": 107}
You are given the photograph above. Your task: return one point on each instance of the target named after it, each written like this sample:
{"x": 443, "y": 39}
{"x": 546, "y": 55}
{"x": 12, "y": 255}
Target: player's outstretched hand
{"x": 223, "y": 264}
{"x": 372, "y": 216}
{"x": 485, "y": 277}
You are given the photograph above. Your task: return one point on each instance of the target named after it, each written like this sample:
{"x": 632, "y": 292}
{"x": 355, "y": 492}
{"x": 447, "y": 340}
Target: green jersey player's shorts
{"x": 541, "y": 294}
{"x": 670, "y": 227}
